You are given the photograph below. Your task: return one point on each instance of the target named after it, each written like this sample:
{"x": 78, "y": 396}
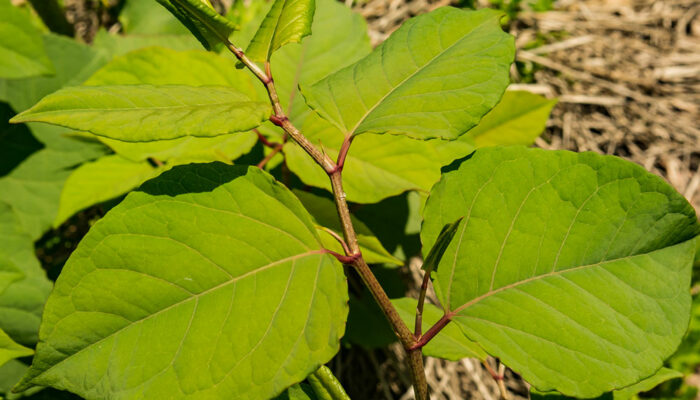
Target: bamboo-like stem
{"x": 354, "y": 257}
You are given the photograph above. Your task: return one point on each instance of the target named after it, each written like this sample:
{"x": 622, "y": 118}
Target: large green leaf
{"x": 160, "y": 66}
{"x": 377, "y": 166}
{"x": 23, "y": 284}
{"x": 687, "y": 357}
{"x": 450, "y": 343}
{"x": 571, "y": 268}
{"x": 210, "y": 28}
{"x": 117, "y": 45}
{"x": 435, "y": 77}
{"x": 244, "y": 308}
{"x": 22, "y": 52}
{"x": 519, "y": 118}
{"x": 138, "y": 113}
{"x": 100, "y": 180}
{"x": 10, "y": 350}
{"x": 287, "y": 22}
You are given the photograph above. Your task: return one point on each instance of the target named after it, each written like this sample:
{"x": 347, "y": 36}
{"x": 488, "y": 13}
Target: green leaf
{"x": 326, "y": 215}
{"x": 627, "y": 393}
{"x": 148, "y": 18}
{"x": 118, "y": 45}
{"x": 210, "y": 28}
{"x": 287, "y": 22}
{"x": 573, "y": 269}
{"x": 687, "y": 357}
{"x": 36, "y": 183}
{"x": 22, "y": 52}
{"x": 443, "y": 240}
{"x": 159, "y": 66}
{"x": 450, "y": 343}
{"x": 23, "y": 284}
{"x": 246, "y": 307}
{"x": 377, "y": 166}
{"x": 73, "y": 63}
{"x": 106, "y": 178}
{"x": 10, "y": 350}
{"x": 435, "y": 77}
{"x": 144, "y": 112}
{"x": 519, "y": 118}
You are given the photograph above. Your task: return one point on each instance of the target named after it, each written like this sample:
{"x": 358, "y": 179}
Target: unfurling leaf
{"x": 288, "y": 21}
{"x": 210, "y": 28}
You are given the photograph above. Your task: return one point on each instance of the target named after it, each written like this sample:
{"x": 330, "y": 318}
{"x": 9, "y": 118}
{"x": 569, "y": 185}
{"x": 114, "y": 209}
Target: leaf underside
{"x": 210, "y": 28}
{"x": 572, "y": 268}
{"x": 249, "y": 305}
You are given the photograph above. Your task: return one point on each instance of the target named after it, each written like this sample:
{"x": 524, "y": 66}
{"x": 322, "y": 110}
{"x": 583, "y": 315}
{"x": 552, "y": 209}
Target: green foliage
{"x": 202, "y": 20}
{"x": 560, "y": 279}
{"x": 287, "y": 22}
{"x": 413, "y": 83}
{"x": 186, "y": 302}
{"x": 10, "y": 350}
{"x": 22, "y": 52}
{"x": 214, "y": 280}
{"x": 141, "y": 113}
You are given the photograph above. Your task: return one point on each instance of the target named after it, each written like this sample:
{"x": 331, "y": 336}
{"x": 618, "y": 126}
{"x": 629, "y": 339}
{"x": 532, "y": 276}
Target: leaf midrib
{"x": 542, "y": 276}
{"x": 418, "y": 70}
{"x": 189, "y": 298}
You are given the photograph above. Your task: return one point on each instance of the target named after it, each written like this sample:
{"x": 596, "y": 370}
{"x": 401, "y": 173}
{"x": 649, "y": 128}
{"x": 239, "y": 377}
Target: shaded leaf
{"x": 145, "y": 112}
{"x": 450, "y": 343}
{"x": 435, "y": 77}
{"x": 10, "y": 350}
{"x": 573, "y": 269}
{"x": 148, "y": 18}
{"x": 438, "y": 250}
{"x": 23, "y": 284}
{"x": 22, "y": 52}
{"x": 248, "y": 306}
{"x": 118, "y": 45}
{"x": 288, "y": 21}
{"x": 300, "y": 391}
{"x": 326, "y": 215}
{"x": 210, "y": 28}
{"x": 103, "y": 179}
{"x": 377, "y": 166}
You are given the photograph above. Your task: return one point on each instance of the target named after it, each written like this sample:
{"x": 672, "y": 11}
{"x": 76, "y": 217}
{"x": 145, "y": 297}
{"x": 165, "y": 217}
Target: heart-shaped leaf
{"x": 435, "y": 77}
{"x": 573, "y": 269}
{"x": 246, "y": 307}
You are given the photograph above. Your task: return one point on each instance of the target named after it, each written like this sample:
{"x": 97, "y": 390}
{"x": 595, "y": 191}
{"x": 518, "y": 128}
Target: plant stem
{"x": 53, "y": 16}
{"x": 354, "y": 257}
{"x": 419, "y": 307}
{"x": 268, "y": 157}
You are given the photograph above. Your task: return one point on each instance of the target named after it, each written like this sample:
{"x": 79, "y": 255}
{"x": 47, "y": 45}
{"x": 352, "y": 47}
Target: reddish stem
{"x": 434, "y": 330}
